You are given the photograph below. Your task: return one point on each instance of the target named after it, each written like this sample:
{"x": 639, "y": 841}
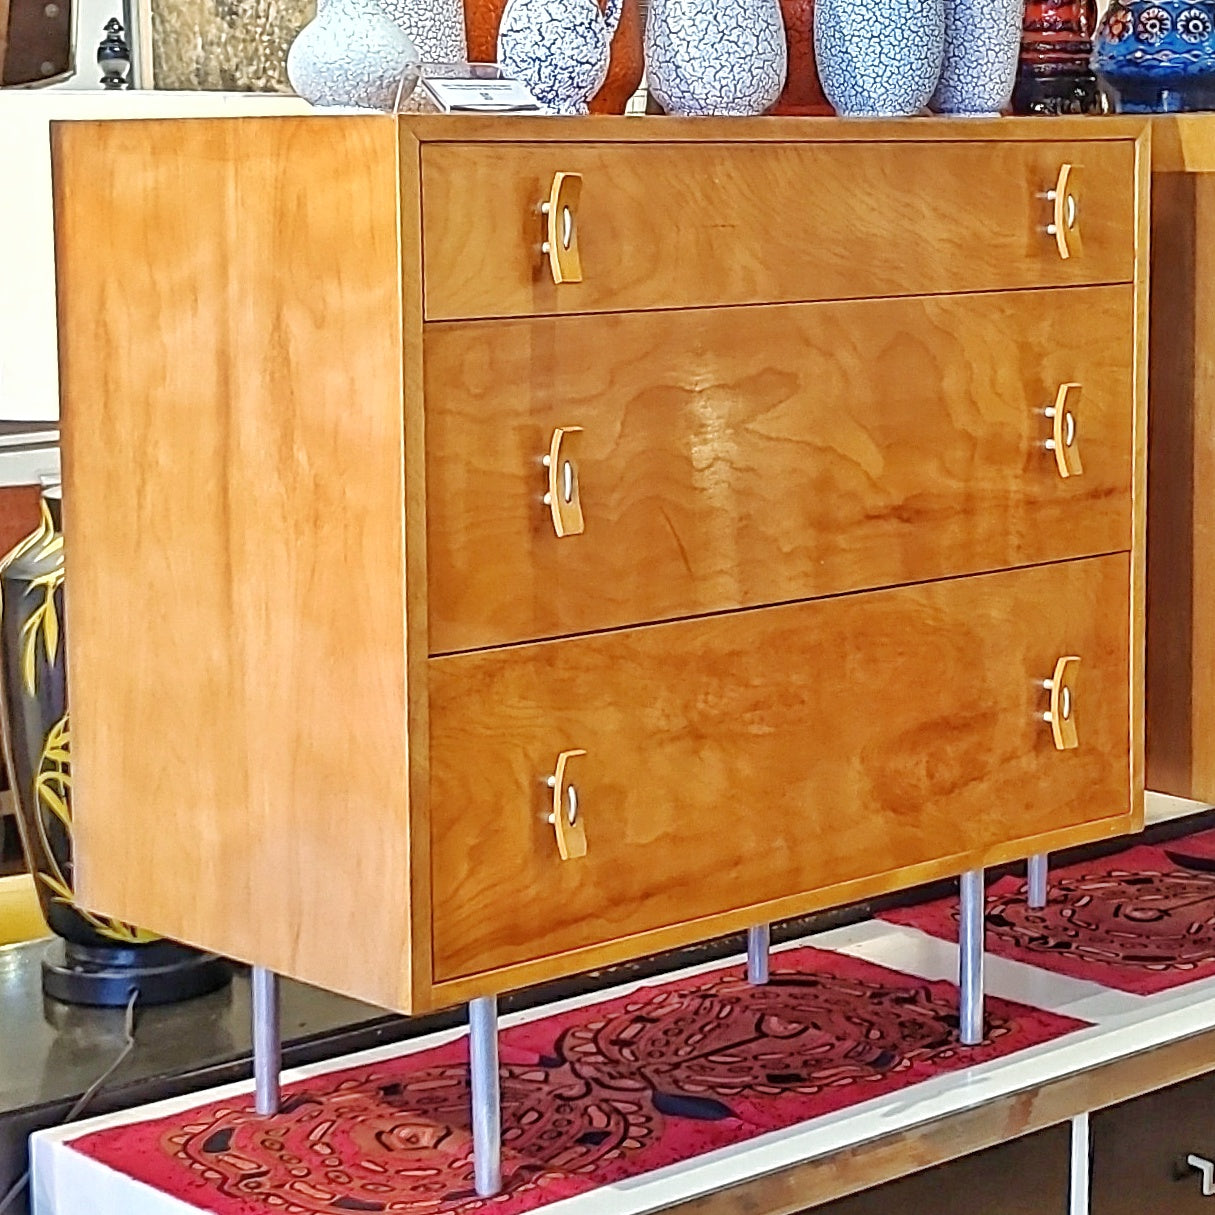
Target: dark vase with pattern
{"x": 1157, "y": 56}
{"x": 1054, "y": 75}
{"x": 97, "y": 960}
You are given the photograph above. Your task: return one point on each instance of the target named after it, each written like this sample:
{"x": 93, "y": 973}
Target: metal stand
{"x": 1039, "y": 868}
{"x": 970, "y": 958}
{"x": 486, "y": 1095}
{"x": 759, "y": 942}
{"x": 267, "y": 1043}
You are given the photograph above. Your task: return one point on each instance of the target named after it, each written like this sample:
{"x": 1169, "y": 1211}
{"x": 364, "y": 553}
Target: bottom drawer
{"x": 1141, "y": 1149}
{"x": 811, "y": 753}
{"x": 1028, "y": 1176}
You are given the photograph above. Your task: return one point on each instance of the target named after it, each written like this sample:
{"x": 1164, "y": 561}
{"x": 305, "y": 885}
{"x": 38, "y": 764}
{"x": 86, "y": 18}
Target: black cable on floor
{"x": 86, "y": 1098}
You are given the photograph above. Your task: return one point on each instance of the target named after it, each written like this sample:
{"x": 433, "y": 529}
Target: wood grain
{"x": 234, "y": 550}
{"x": 770, "y": 755}
{"x": 743, "y": 456}
{"x": 1180, "y": 692}
{"x": 669, "y": 226}
{"x": 4, "y": 16}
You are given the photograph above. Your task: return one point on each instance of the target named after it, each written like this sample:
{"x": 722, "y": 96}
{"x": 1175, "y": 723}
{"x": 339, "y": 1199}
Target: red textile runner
{"x": 1141, "y": 921}
{"x": 590, "y": 1097}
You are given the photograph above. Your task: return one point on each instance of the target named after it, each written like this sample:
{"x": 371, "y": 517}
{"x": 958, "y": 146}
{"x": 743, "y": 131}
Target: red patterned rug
{"x": 1141, "y": 921}
{"x": 590, "y": 1097}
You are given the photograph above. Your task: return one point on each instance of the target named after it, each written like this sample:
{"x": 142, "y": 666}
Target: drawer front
{"x": 740, "y": 759}
{"x": 1029, "y": 1176}
{"x": 682, "y": 225}
{"x": 736, "y": 457}
{"x": 1140, "y": 1151}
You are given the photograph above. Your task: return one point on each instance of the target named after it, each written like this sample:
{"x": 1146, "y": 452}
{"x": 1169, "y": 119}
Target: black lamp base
{"x": 162, "y": 973}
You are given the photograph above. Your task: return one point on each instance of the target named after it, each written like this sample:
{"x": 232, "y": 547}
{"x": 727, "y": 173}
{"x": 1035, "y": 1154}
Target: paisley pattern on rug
{"x": 590, "y": 1097}
{"x": 1141, "y": 921}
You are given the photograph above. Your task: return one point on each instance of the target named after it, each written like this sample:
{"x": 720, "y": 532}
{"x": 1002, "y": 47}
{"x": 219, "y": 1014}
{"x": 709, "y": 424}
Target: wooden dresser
{"x": 746, "y": 552}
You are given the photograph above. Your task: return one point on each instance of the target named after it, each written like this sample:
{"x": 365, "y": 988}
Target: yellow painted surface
{"x": 20, "y": 919}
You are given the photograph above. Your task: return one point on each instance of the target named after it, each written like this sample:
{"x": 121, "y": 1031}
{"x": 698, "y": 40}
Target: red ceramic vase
{"x": 803, "y": 94}
{"x": 1054, "y": 75}
{"x": 481, "y": 20}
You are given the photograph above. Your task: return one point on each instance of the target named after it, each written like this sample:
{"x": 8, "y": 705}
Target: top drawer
{"x": 681, "y": 225}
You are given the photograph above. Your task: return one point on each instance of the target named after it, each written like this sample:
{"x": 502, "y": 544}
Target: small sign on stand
{"x": 477, "y": 88}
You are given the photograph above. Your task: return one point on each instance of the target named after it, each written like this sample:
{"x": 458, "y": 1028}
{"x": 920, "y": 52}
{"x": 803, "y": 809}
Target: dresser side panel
{"x": 231, "y": 357}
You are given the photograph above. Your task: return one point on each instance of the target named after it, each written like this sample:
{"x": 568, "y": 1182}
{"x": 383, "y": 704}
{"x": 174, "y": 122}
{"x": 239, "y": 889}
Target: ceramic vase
{"x": 1054, "y": 75}
{"x": 715, "y": 56}
{"x": 982, "y": 40}
{"x": 96, "y": 960}
{"x": 803, "y": 91}
{"x": 435, "y": 27}
{"x": 625, "y": 65}
{"x": 1157, "y": 56}
{"x": 559, "y": 48}
{"x": 880, "y": 58}
{"x": 353, "y": 54}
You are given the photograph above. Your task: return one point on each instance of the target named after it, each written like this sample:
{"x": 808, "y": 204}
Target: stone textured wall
{"x": 238, "y": 45}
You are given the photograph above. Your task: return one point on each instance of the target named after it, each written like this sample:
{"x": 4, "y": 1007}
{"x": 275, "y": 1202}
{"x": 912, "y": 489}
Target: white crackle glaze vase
{"x": 982, "y": 43}
{"x": 436, "y": 27}
{"x": 715, "y": 56}
{"x": 560, "y": 49}
{"x": 352, "y": 54}
{"x": 880, "y": 58}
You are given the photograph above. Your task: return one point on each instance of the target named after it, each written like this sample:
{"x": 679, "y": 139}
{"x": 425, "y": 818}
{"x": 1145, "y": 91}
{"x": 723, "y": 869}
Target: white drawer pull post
{"x": 560, "y": 244}
{"x": 563, "y": 498}
{"x": 1065, "y": 424}
{"x": 1065, "y": 212}
{"x": 1061, "y": 714}
{"x": 1207, "y": 1169}
{"x": 565, "y": 817}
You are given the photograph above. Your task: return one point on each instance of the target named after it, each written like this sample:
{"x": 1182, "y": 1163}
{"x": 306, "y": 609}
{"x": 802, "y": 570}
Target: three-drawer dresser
{"x": 501, "y": 547}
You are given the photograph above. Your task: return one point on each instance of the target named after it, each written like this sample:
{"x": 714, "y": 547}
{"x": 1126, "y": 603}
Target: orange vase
{"x": 803, "y": 94}
{"x": 481, "y": 19}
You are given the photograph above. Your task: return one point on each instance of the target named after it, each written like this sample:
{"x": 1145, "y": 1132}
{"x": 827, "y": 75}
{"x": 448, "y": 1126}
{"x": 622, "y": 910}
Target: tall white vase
{"x": 435, "y": 26}
{"x": 982, "y": 44}
{"x": 715, "y": 56}
{"x": 351, "y": 54}
{"x": 879, "y": 57}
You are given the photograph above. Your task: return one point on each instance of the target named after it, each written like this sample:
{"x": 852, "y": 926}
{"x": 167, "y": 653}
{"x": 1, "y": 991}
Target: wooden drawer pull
{"x": 1065, "y": 222}
{"x": 1065, "y": 421}
{"x": 1062, "y": 712}
{"x": 1207, "y": 1169}
{"x": 563, "y": 499}
{"x": 561, "y": 228}
{"x": 566, "y": 816}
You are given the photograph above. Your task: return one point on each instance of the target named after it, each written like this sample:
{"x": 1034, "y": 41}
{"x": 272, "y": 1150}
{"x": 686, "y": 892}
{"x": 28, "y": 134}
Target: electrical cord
{"x": 86, "y": 1098}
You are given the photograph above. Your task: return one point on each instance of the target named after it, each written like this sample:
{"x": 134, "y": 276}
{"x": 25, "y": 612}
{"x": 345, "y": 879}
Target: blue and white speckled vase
{"x": 1157, "y": 56}
{"x": 559, "y": 48}
{"x": 880, "y": 58}
{"x": 982, "y": 45}
{"x": 436, "y": 27}
{"x": 352, "y": 54}
{"x": 715, "y": 56}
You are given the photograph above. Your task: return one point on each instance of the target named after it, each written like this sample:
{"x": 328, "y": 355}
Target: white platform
{"x": 68, "y": 1183}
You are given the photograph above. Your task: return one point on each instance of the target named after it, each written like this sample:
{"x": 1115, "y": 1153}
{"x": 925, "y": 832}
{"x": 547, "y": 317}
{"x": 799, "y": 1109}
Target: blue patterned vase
{"x": 982, "y": 45}
{"x": 560, "y": 49}
{"x": 880, "y": 58}
{"x": 715, "y": 56}
{"x": 1157, "y": 56}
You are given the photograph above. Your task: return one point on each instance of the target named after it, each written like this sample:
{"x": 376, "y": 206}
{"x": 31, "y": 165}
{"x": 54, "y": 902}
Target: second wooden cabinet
{"x": 800, "y": 574}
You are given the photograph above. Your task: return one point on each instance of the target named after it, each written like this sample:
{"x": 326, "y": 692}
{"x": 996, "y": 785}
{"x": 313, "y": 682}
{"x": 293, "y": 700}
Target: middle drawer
{"x": 736, "y": 457}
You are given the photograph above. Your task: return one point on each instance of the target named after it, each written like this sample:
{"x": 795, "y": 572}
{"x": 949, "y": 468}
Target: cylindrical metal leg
{"x": 486, "y": 1095}
{"x": 970, "y": 958}
{"x": 267, "y": 1044}
{"x": 1039, "y": 868}
{"x": 759, "y": 942}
